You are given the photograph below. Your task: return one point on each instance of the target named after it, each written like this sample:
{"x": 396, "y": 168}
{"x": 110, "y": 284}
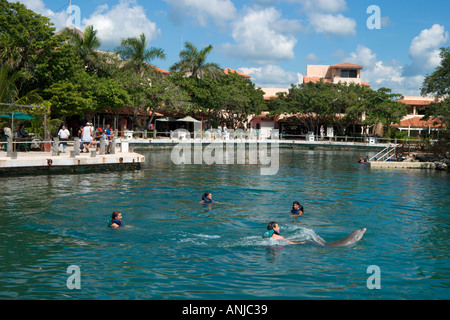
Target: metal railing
{"x": 12, "y": 147}
{"x": 387, "y": 154}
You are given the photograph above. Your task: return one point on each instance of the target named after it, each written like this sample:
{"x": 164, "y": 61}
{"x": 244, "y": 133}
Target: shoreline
{"x": 148, "y": 144}
{"x": 38, "y": 163}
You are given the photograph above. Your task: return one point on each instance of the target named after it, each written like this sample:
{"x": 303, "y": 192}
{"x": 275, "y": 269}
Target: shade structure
{"x": 16, "y": 115}
{"x": 166, "y": 119}
{"x": 188, "y": 119}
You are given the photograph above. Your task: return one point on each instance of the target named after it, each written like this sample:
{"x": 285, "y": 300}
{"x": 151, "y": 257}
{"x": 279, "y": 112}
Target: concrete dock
{"x": 33, "y": 163}
{"x": 402, "y": 165}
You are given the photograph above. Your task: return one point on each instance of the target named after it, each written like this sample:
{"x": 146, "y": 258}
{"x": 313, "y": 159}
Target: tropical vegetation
{"x": 67, "y": 73}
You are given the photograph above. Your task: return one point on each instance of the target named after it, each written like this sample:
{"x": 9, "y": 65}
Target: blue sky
{"x": 274, "y": 40}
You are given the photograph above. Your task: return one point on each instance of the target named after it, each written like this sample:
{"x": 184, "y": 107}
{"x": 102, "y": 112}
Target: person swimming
{"x": 116, "y": 220}
{"x": 297, "y": 209}
{"x": 273, "y": 232}
{"x": 207, "y": 198}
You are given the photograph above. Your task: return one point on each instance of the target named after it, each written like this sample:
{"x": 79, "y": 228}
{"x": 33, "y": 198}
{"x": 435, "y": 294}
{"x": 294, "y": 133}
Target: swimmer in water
{"x": 116, "y": 220}
{"x": 297, "y": 209}
{"x": 273, "y": 232}
{"x": 207, "y": 198}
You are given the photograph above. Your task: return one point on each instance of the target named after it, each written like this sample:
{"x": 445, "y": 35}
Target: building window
{"x": 349, "y": 73}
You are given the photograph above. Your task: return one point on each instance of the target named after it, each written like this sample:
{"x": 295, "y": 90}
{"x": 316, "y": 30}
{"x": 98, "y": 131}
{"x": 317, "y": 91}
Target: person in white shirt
{"x": 87, "y": 136}
{"x": 64, "y": 135}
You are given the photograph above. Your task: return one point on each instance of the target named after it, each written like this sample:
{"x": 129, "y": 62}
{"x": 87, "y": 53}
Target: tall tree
{"x": 438, "y": 85}
{"x": 382, "y": 107}
{"x": 234, "y": 98}
{"x": 136, "y": 52}
{"x": 312, "y": 102}
{"x": 86, "y": 45}
{"x": 193, "y": 62}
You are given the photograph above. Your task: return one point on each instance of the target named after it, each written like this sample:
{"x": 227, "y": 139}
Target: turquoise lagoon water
{"x": 176, "y": 248}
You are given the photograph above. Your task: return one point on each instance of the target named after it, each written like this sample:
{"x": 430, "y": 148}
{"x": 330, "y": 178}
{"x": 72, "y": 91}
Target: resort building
{"x": 413, "y": 123}
{"x": 342, "y": 72}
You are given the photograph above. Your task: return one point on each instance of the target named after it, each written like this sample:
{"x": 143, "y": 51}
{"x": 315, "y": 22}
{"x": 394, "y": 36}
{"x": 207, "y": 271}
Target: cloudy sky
{"x": 274, "y": 40}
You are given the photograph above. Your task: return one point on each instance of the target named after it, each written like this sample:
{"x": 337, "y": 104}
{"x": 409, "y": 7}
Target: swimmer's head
{"x": 296, "y": 205}
{"x": 117, "y": 215}
{"x": 207, "y": 195}
{"x": 272, "y": 225}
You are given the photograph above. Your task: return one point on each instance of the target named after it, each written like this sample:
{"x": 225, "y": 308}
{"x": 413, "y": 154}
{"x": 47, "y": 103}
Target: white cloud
{"x": 59, "y": 19}
{"x": 263, "y": 36}
{"x": 312, "y": 57}
{"x": 220, "y": 11}
{"x": 323, "y": 5}
{"x": 384, "y": 74}
{"x": 272, "y": 76}
{"x": 362, "y": 56}
{"x": 424, "y": 50}
{"x": 405, "y": 79}
{"x": 333, "y": 24}
{"x": 124, "y": 20}
{"x": 35, "y": 5}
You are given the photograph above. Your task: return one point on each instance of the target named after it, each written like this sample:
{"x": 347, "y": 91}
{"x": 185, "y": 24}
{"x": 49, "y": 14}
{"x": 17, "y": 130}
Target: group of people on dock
{"x": 89, "y": 137}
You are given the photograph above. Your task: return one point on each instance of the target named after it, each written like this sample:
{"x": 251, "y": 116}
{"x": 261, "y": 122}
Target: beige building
{"x": 342, "y": 72}
{"x": 413, "y": 123}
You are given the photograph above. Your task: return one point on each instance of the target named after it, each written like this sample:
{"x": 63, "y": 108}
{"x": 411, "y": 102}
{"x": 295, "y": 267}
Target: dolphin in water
{"x": 352, "y": 238}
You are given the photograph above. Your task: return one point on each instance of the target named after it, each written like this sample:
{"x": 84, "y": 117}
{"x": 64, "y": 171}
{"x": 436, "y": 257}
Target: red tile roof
{"x": 415, "y": 102}
{"x": 417, "y": 122}
{"x": 346, "y": 65}
{"x": 162, "y": 71}
{"x": 228, "y": 70}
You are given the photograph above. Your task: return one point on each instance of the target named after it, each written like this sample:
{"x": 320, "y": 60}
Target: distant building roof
{"x": 162, "y": 71}
{"x": 417, "y": 122}
{"x": 71, "y": 27}
{"x": 416, "y": 101}
{"x": 228, "y": 70}
{"x": 346, "y": 65}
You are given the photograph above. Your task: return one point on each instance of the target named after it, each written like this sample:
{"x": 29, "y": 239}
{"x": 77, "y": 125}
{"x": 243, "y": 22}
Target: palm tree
{"x": 8, "y": 89}
{"x": 135, "y": 50}
{"x": 193, "y": 62}
{"x": 9, "y": 93}
{"x": 86, "y": 44}
{"x": 9, "y": 51}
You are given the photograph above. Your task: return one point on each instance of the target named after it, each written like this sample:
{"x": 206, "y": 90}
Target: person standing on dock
{"x": 87, "y": 136}
{"x": 63, "y": 135}
{"x": 109, "y": 135}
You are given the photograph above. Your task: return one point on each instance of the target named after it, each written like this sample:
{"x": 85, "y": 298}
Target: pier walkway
{"x": 36, "y": 162}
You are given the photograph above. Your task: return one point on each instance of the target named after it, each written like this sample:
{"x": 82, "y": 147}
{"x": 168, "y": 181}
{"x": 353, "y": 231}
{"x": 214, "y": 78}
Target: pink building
{"x": 342, "y": 72}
